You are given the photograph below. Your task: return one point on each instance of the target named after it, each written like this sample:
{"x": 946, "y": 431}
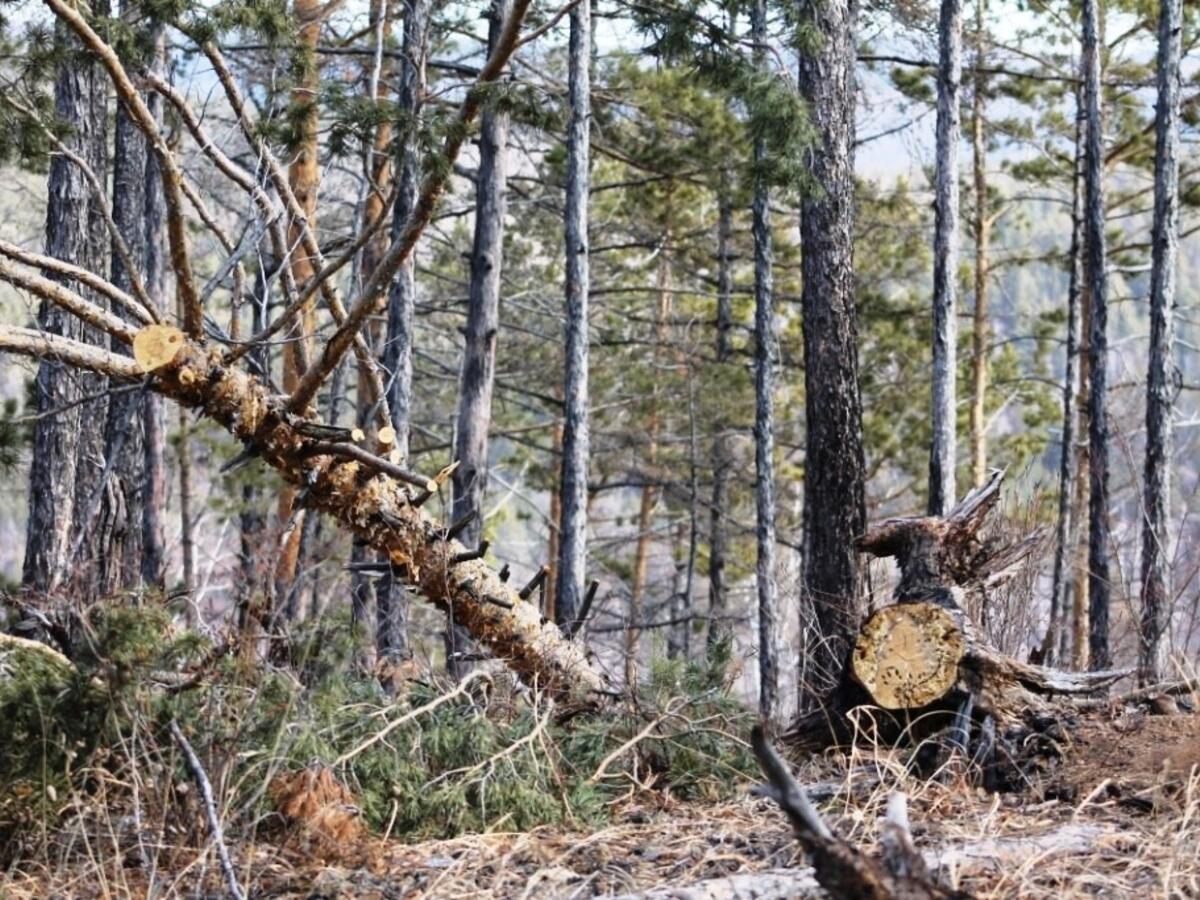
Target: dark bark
{"x": 391, "y": 597}
{"x": 118, "y": 524}
{"x": 718, "y": 628}
{"x": 942, "y": 456}
{"x": 253, "y": 570}
{"x": 1160, "y": 389}
{"x": 982, "y": 226}
{"x": 835, "y": 506}
{"x": 766, "y": 357}
{"x": 80, "y": 92}
{"x": 572, "y": 524}
{"x": 187, "y": 543}
{"x": 154, "y": 483}
{"x": 1099, "y": 588}
{"x": 483, "y": 321}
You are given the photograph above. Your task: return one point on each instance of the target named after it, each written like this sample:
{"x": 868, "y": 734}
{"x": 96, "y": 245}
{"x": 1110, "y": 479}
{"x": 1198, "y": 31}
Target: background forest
{"x": 613, "y": 344}
{"x": 676, "y": 108}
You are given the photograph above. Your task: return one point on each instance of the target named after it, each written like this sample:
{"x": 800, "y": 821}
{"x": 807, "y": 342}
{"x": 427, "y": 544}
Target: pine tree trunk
{"x": 118, "y": 524}
{"x": 80, "y": 89}
{"x": 1064, "y": 583}
{"x": 1099, "y": 589}
{"x": 483, "y": 321}
{"x": 835, "y": 505}
{"x": 304, "y": 177}
{"x": 942, "y": 457}
{"x": 154, "y": 474}
{"x": 766, "y": 355}
{"x": 983, "y": 234}
{"x": 1080, "y": 604}
{"x": 253, "y": 568}
{"x": 187, "y": 540}
{"x": 572, "y": 524}
{"x": 392, "y": 600}
{"x": 718, "y": 626}
{"x": 637, "y": 591}
{"x": 377, "y": 175}
{"x": 1156, "y": 574}
{"x": 641, "y": 554}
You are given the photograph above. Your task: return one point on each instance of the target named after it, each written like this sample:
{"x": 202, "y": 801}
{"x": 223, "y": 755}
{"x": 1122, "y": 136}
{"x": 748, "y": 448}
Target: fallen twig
{"x": 210, "y": 807}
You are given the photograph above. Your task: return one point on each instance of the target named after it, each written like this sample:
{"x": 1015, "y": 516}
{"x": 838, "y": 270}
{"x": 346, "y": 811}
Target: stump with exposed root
{"x": 924, "y": 664}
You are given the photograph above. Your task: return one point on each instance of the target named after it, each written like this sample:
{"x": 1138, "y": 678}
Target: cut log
{"x": 907, "y": 656}
{"x": 923, "y": 656}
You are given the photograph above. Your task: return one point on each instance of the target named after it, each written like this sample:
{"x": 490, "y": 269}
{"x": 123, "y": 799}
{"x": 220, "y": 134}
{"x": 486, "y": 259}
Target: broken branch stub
{"x": 844, "y": 871}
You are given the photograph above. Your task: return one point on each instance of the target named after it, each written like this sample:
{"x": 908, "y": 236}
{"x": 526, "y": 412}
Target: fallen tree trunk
{"x": 367, "y": 495}
{"x": 924, "y": 663}
{"x": 386, "y": 514}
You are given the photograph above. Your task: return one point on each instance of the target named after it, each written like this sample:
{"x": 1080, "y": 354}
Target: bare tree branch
{"x": 193, "y": 318}
{"x": 67, "y": 299}
{"x": 75, "y": 273}
{"x": 373, "y": 297}
{"x": 43, "y": 345}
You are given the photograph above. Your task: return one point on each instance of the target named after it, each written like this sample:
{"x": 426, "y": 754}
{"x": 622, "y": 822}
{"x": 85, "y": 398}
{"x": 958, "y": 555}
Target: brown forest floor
{"x": 1118, "y": 817}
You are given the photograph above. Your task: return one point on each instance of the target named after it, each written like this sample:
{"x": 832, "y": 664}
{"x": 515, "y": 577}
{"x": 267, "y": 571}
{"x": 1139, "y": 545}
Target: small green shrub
{"x": 484, "y": 759}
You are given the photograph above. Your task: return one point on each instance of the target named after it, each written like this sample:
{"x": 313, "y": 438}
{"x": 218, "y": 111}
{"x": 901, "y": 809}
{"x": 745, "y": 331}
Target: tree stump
{"x": 922, "y": 660}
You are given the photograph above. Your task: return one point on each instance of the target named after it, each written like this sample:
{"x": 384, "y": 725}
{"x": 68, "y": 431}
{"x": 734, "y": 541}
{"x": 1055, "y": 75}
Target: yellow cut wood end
{"x": 387, "y": 435}
{"x": 156, "y": 346}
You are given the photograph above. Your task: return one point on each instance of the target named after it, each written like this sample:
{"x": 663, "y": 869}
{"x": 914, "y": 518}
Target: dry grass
{"x": 1117, "y": 825}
